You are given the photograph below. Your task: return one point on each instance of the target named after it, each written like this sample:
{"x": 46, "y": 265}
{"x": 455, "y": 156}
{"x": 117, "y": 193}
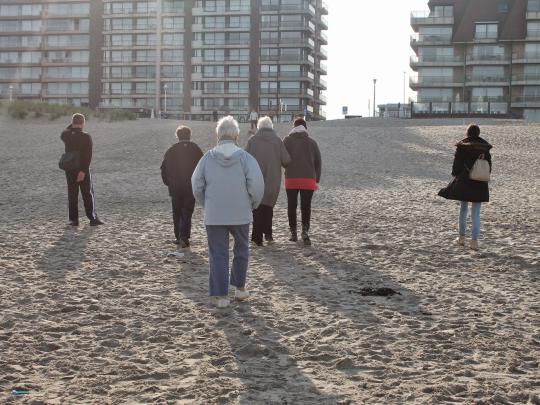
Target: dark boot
{"x": 294, "y": 235}
{"x": 305, "y": 235}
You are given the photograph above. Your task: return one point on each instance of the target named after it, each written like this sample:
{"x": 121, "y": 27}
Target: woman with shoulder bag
{"x": 470, "y": 184}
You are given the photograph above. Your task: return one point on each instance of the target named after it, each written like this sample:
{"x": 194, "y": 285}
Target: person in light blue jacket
{"x": 229, "y": 185}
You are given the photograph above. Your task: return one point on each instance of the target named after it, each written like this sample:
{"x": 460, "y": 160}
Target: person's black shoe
{"x": 294, "y": 235}
{"x": 269, "y": 239}
{"x": 176, "y": 241}
{"x": 73, "y": 223}
{"x": 258, "y": 243}
{"x": 305, "y": 235}
{"x": 184, "y": 243}
{"x": 96, "y": 222}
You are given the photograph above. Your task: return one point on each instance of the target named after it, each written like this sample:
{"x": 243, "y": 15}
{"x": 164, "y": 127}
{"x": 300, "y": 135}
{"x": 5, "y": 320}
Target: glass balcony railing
{"x": 493, "y": 57}
{"x": 436, "y": 60}
{"x": 430, "y": 18}
{"x": 433, "y": 80}
{"x": 424, "y": 39}
{"x": 487, "y": 79}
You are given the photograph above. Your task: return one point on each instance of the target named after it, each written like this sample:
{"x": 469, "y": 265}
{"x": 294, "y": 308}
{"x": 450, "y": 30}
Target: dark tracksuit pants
{"x": 87, "y": 191}
{"x": 182, "y": 208}
{"x": 305, "y": 207}
{"x": 262, "y": 223}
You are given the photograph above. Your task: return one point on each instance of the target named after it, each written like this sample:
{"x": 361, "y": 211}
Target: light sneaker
{"x": 461, "y": 240}
{"x": 241, "y": 295}
{"x": 474, "y": 244}
{"x": 222, "y": 302}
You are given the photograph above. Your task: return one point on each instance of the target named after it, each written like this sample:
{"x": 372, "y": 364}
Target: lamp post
{"x": 10, "y": 93}
{"x": 374, "y": 97}
{"x": 404, "y": 88}
{"x": 165, "y": 91}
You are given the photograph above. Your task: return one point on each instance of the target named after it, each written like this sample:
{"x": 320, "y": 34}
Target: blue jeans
{"x": 475, "y": 218}
{"x": 218, "y": 250}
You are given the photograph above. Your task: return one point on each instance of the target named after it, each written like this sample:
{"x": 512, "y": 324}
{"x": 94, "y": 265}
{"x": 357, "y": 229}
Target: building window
{"x": 486, "y": 31}
{"x": 502, "y": 6}
{"x": 533, "y": 5}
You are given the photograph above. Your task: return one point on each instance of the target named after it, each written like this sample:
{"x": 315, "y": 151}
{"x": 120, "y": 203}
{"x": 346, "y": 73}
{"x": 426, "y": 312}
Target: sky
{"x": 368, "y": 39}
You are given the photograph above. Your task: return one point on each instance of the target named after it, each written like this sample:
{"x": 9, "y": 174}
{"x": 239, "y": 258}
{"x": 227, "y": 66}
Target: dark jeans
{"x": 87, "y": 191}
{"x": 218, "y": 249}
{"x": 182, "y": 208}
{"x": 262, "y": 223}
{"x": 305, "y": 207}
{"x": 253, "y": 125}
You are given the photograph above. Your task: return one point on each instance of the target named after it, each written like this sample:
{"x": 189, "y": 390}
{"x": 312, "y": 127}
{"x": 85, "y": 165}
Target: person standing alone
{"x": 176, "y": 171}
{"x": 302, "y": 177}
{"x": 253, "y": 117}
{"x": 78, "y": 145}
{"x": 268, "y": 149}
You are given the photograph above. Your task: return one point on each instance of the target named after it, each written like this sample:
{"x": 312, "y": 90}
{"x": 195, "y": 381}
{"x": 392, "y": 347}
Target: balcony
{"x": 306, "y": 25}
{"x": 322, "y": 99}
{"x": 526, "y": 101}
{"x": 324, "y": 8}
{"x": 323, "y": 23}
{"x": 288, "y": 8}
{"x": 322, "y": 68}
{"x": 533, "y": 15}
{"x": 214, "y": 27}
{"x": 526, "y": 58}
{"x": 527, "y": 79}
{"x": 427, "y": 61}
{"x": 201, "y": 11}
{"x": 228, "y": 42}
{"x": 426, "y": 39}
{"x": 323, "y": 83}
{"x": 434, "y": 81}
{"x": 488, "y": 81}
{"x": 288, "y": 58}
{"x": 488, "y": 59}
{"x": 290, "y": 42}
{"x": 323, "y": 53}
{"x": 419, "y": 18}
{"x": 323, "y": 38}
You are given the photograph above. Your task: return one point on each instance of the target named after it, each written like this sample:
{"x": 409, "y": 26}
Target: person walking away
{"x": 79, "y": 144}
{"x": 253, "y": 117}
{"x": 302, "y": 176}
{"x": 270, "y": 152}
{"x": 228, "y": 183}
{"x": 463, "y": 188}
{"x": 176, "y": 171}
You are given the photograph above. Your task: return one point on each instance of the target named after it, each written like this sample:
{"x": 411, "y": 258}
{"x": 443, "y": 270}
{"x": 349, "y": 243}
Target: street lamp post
{"x": 165, "y": 104}
{"x": 404, "y": 88}
{"x": 374, "y": 97}
{"x": 10, "y": 93}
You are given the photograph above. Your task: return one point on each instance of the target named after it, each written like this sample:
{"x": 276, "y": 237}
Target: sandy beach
{"x": 102, "y": 316}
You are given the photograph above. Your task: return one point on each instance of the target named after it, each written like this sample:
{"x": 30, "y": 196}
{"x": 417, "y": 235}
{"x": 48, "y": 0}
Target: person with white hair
{"x": 229, "y": 185}
{"x": 270, "y": 152}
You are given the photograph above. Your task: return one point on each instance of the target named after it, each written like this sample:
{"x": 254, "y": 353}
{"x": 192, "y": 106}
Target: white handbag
{"x": 480, "y": 170}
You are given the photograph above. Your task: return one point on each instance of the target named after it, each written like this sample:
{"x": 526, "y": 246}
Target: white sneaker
{"x": 474, "y": 244}
{"x": 222, "y": 302}
{"x": 461, "y": 240}
{"x": 242, "y": 295}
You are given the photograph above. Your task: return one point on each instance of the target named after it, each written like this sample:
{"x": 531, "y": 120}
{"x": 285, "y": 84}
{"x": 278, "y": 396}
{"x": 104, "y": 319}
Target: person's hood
{"x": 474, "y": 143}
{"x": 266, "y": 134}
{"x": 299, "y": 131}
{"x": 227, "y": 153}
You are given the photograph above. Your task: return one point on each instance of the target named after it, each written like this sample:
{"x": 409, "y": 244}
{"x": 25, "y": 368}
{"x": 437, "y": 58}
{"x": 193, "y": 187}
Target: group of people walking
{"x": 237, "y": 187}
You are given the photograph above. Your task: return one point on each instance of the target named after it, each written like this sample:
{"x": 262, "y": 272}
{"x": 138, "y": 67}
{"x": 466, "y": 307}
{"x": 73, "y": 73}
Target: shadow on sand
{"x": 66, "y": 254}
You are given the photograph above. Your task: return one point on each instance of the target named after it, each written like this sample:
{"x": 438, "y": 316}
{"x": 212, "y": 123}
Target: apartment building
{"x": 477, "y": 57}
{"x": 184, "y": 58}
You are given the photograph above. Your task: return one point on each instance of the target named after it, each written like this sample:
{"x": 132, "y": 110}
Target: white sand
{"x": 102, "y": 316}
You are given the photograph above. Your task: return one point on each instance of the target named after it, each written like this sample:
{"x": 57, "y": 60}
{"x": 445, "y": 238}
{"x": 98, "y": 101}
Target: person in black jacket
{"x": 177, "y": 168}
{"x": 78, "y": 141}
{"x": 462, "y": 188}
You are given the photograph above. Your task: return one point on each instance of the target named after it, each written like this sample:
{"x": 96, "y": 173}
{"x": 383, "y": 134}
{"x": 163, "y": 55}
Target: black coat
{"x": 76, "y": 140}
{"x": 462, "y": 188}
{"x": 178, "y": 166}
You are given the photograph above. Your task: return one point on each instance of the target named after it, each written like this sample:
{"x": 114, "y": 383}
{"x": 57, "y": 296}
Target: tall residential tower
{"x": 478, "y": 57}
{"x": 180, "y": 57}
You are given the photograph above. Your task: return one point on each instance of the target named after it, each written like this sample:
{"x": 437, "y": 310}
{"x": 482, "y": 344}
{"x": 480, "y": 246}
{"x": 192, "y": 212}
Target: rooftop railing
{"x": 430, "y": 18}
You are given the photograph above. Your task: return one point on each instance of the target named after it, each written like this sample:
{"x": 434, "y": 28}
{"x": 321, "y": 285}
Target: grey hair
{"x": 227, "y": 129}
{"x": 265, "y": 123}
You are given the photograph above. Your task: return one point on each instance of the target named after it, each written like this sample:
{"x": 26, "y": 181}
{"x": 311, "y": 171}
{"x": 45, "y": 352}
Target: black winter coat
{"x": 178, "y": 166}
{"x": 76, "y": 140}
{"x": 462, "y": 188}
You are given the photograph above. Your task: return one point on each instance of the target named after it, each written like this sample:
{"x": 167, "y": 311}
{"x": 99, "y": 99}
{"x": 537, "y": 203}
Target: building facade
{"x": 477, "y": 57}
{"x": 186, "y": 58}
